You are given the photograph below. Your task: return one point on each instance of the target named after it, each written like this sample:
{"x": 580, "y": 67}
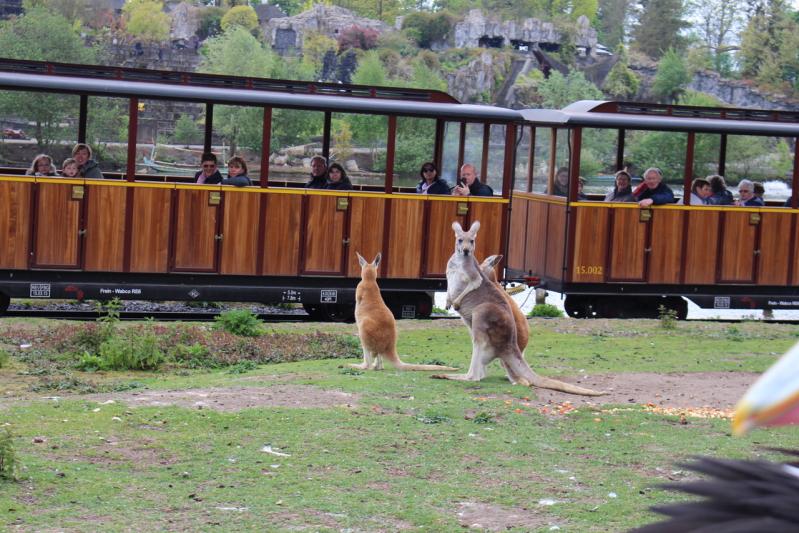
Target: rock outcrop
{"x": 185, "y": 22}
{"x": 288, "y": 32}
{"x": 473, "y": 30}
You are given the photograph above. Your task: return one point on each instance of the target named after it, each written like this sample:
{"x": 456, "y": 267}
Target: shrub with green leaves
{"x": 546, "y": 311}
{"x": 668, "y": 317}
{"x": 8, "y": 459}
{"x": 3, "y": 358}
{"x": 240, "y": 322}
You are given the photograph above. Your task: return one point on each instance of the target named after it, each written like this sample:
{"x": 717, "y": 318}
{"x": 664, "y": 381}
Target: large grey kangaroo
{"x": 490, "y": 320}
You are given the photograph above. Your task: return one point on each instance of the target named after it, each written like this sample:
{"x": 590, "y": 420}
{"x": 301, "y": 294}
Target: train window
{"x": 33, "y": 123}
{"x": 414, "y": 145}
{"x": 449, "y": 155}
{"x": 598, "y": 160}
{"x": 296, "y": 137}
{"x": 495, "y": 170}
{"x": 473, "y": 146}
{"x": 541, "y": 159}
{"x": 768, "y": 160}
{"x": 562, "y": 152}
{"x": 238, "y": 130}
{"x": 521, "y": 172}
{"x": 358, "y": 143}
{"x": 707, "y": 148}
{"x": 107, "y": 132}
{"x": 662, "y": 149}
{"x": 169, "y": 138}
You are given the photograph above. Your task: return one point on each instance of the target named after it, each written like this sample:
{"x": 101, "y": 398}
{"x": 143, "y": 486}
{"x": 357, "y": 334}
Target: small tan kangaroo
{"x": 488, "y": 315}
{"x": 376, "y": 325}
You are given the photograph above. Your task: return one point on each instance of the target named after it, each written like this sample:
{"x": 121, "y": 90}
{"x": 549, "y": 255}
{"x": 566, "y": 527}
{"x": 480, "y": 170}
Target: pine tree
{"x": 659, "y": 26}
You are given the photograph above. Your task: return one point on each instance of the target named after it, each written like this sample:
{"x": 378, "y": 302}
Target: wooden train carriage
{"x": 618, "y": 259}
{"x": 136, "y": 238}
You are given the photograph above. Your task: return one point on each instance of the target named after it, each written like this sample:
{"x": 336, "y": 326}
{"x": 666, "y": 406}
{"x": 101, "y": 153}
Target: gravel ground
{"x": 140, "y": 306}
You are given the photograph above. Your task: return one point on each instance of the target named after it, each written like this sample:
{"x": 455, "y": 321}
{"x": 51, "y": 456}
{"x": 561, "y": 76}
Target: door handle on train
{"x": 81, "y": 232}
{"x": 648, "y": 250}
{"x": 756, "y": 252}
{"x": 218, "y": 237}
{"x": 345, "y": 242}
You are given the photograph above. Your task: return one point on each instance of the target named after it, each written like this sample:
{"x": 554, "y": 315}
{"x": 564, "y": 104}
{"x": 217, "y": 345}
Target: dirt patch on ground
{"x": 234, "y": 399}
{"x": 718, "y": 390}
{"x": 496, "y": 518}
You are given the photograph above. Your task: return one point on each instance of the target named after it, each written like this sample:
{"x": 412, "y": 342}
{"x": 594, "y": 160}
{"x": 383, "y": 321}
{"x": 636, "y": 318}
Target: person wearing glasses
{"x": 209, "y": 175}
{"x": 431, "y": 183}
{"x": 746, "y": 195}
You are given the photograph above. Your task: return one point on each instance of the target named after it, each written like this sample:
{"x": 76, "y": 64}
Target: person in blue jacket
{"x": 653, "y": 191}
{"x": 237, "y": 173}
{"x": 431, "y": 183}
{"x": 746, "y": 193}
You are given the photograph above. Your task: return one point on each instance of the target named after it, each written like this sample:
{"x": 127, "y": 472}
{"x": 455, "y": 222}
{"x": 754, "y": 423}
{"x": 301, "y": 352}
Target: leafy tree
{"x": 237, "y": 52}
{"x": 369, "y": 129}
{"x": 185, "y": 130}
{"x": 289, "y": 7}
{"x": 210, "y": 22}
{"x": 717, "y": 22}
{"x": 558, "y": 91}
{"x": 72, "y": 10}
{"x": 671, "y": 77}
{"x": 357, "y": 37}
{"x": 42, "y": 35}
{"x": 611, "y": 15}
{"x": 587, "y": 8}
{"x": 107, "y": 123}
{"x": 385, "y": 10}
{"x": 427, "y": 28}
{"x": 240, "y": 16}
{"x": 659, "y": 27}
{"x": 768, "y": 45}
{"x": 314, "y": 49}
{"x": 146, "y": 20}
{"x": 621, "y": 82}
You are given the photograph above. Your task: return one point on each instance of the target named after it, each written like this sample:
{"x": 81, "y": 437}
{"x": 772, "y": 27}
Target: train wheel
{"x": 5, "y": 300}
{"x": 577, "y": 306}
{"x": 314, "y": 311}
{"x": 338, "y": 312}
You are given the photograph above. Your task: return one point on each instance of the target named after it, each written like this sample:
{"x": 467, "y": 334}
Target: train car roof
{"x": 624, "y": 115}
{"x": 105, "y": 81}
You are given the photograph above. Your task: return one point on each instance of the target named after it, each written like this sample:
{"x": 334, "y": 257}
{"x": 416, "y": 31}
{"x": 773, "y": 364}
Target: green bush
{"x": 134, "y": 350}
{"x": 3, "y": 358}
{"x": 8, "y": 459}
{"x": 546, "y": 311}
{"x": 240, "y": 322}
{"x": 668, "y": 317}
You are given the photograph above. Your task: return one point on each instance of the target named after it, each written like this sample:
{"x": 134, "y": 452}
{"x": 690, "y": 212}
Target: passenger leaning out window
{"x": 653, "y": 191}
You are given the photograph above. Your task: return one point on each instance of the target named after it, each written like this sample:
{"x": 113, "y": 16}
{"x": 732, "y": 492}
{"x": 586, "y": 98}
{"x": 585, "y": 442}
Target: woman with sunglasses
{"x": 209, "y": 175}
{"x": 431, "y": 183}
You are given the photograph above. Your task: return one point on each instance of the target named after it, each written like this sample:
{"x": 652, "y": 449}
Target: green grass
{"x": 405, "y": 454}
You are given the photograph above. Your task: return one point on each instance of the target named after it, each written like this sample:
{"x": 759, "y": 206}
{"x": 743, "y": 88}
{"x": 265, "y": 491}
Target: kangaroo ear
{"x": 475, "y": 227}
{"x": 456, "y": 227}
{"x": 378, "y": 257}
{"x": 492, "y": 261}
{"x": 361, "y": 260}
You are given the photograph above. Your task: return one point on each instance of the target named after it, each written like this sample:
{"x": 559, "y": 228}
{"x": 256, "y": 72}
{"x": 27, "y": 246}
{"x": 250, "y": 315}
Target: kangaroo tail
{"x": 554, "y": 384}
{"x": 408, "y": 366}
{"x": 397, "y": 363}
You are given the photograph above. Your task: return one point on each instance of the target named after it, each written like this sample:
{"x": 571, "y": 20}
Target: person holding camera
{"x": 469, "y": 185}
